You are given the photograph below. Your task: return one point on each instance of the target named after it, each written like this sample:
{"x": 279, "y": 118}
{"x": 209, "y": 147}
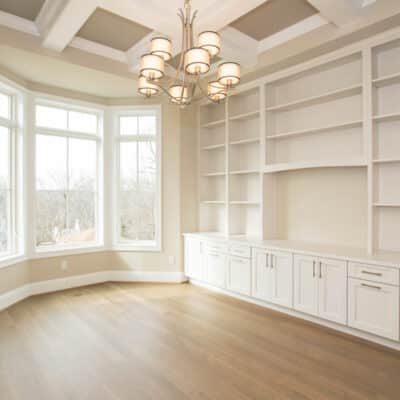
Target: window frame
{"x": 16, "y": 164}
{"x": 132, "y": 111}
{"x": 98, "y": 138}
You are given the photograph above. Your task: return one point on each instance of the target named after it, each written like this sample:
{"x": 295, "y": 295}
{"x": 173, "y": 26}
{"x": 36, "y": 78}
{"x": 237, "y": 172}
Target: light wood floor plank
{"x": 175, "y": 342}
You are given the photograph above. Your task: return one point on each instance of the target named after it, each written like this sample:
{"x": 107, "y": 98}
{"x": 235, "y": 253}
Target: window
{"x": 68, "y": 144}
{"x": 9, "y": 157}
{"x": 138, "y": 166}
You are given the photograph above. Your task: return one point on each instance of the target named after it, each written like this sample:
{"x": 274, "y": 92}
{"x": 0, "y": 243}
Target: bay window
{"x": 68, "y": 202}
{"x": 138, "y": 200}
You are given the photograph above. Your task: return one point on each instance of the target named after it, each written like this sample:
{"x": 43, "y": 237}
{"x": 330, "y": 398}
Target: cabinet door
{"x": 281, "y": 279}
{"x": 215, "y": 269}
{"x": 332, "y": 291}
{"x": 261, "y": 275}
{"x": 374, "y": 308}
{"x": 193, "y": 258}
{"x": 239, "y": 275}
{"x": 305, "y": 285}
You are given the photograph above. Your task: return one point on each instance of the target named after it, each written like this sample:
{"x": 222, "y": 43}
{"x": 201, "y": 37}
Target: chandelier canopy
{"x": 181, "y": 84}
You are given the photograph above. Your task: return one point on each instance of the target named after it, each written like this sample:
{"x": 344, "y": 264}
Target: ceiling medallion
{"x": 195, "y": 60}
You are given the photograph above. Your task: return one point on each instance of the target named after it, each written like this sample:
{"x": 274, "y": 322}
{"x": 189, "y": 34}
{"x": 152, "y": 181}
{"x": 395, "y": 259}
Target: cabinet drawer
{"x": 374, "y": 308}
{"x": 217, "y": 247}
{"x": 374, "y": 273}
{"x": 240, "y": 251}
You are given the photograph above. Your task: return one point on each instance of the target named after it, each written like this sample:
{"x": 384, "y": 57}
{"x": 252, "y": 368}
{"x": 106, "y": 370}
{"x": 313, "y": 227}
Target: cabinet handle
{"x": 313, "y": 269}
{"x": 320, "y": 270}
{"x": 266, "y": 260}
{"x": 371, "y": 286}
{"x": 272, "y": 261}
{"x": 371, "y": 273}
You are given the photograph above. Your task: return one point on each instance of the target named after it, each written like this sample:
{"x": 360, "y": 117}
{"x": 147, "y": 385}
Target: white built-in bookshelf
{"x": 386, "y": 146}
{"x": 310, "y": 154}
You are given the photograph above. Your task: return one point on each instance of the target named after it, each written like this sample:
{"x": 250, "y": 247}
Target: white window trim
{"x": 70, "y": 105}
{"x": 17, "y": 147}
{"x": 117, "y": 138}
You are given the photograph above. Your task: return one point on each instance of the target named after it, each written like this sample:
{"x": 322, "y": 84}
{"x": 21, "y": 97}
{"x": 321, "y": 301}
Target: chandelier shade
{"x": 152, "y": 66}
{"x": 216, "y": 92}
{"x": 182, "y": 79}
{"x": 197, "y": 61}
{"x": 146, "y": 88}
{"x": 229, "y": 74}
{"x": 210, "y": 41}
{"x": 161, "y": 46}
{"x": 179, "y": 94}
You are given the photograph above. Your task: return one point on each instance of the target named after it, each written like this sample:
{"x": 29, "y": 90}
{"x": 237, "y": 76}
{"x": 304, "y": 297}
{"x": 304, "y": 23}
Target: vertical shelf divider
{"x": 368, "y": 141}
{"x": 227, "y": 167}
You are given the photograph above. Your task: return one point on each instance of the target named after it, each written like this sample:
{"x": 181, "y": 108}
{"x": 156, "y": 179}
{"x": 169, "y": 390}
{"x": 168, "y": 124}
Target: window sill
{"x": 155, "y": 248}
{"x": 67, "y": 251}
{"x": 9, "y": 261}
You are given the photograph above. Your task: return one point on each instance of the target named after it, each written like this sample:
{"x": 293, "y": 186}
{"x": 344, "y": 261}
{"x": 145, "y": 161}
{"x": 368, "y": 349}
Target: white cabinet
{"x": 215, "y": 267}
{"x": 305, "y": 285}
{"x": 273, "y": 277}
{"x": 320, "y": 287}
{"x": 374, "y": 308}
{"x": 261, "y": 275}
{"x": 239, "y": 275}
{"x": 332, "y": 275}
{"x": 194, "y": 258}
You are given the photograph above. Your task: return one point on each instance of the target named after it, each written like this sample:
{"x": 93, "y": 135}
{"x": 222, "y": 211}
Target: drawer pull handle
{"x": 266, "y": 260}
{"x": 371, "y": 273}
{"x": 371, "y": 286}
{"x": 320, "y": 270}
{"x": 313, "y": 269}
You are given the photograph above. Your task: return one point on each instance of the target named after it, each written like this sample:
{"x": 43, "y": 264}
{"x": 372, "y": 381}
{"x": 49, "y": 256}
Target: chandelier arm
{"x": 162, "y": 88}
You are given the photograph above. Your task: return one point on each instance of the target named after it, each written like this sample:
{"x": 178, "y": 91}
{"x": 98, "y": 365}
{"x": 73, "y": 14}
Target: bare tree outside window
{"x": 138, "y": 179}
{"x": 66, "y": 183}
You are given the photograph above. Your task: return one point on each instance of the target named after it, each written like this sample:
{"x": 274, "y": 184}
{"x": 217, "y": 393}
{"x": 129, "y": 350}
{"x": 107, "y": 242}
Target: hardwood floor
{"x": 175, "y": 342}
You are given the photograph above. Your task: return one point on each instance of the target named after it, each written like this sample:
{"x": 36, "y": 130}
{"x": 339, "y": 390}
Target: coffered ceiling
{"x": 116, "y": 33}
{"x": 112, "y": 30}
{"x": 22, "y": 8}
{"x": 273, "y": 16}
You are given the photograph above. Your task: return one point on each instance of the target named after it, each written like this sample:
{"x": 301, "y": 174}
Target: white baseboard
{"x": 54, "y": 285}
{"x": 341, "y": 328}
{"x": 14, "y": 296}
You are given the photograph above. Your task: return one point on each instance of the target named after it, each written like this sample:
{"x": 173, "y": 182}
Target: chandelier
{"x": 181, "y": 84}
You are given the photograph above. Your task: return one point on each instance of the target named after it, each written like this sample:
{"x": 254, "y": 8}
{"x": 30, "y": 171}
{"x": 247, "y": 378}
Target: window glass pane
{"x": 128, "y": 125}
{"x": 82, "y": 164}
{"x": 5, "y": 106}
{"x": 4, "y": 220}
{"x": 147, "y": 125}
{"x": 81, "y": 217}
{"x": 4, "y": 158}
{"x": 51, "y": 217}
{"x": 51, "y": 162}
{"x": 128, "y": 165}
{"x": 51, "y": 117}
{"x": 137, "y": 220}
{"x": 147, "y": 165}
{"x": 82, "y": 122}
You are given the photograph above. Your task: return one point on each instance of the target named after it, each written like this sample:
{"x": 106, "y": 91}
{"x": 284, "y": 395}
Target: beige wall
{"x": 14, "y": 277}
{"x": 45, "y": 269}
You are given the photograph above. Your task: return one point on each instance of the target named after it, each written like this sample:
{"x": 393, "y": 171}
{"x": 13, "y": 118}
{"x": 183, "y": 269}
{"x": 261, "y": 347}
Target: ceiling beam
{"x": 60, "y": 20}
